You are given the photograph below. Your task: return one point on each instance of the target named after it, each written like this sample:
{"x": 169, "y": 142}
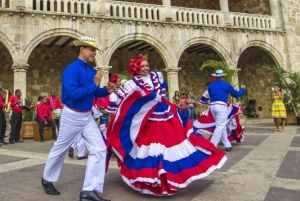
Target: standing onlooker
{"x": 218, "y": 92}
{"x": 54, "y": 103}
{"x": 16, "y": 117}
{"x": 176, "y": 99}
{"x": 278, "y": 108}
{"x": 2, "y": 118}
{"x": 44, "y": 117}
{"x": 80, "y": 85}
{"x": 183, "y": 106}
{"x": 190, "y": 106}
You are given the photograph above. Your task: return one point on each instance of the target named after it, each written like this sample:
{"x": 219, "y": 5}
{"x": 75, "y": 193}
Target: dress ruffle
{"x": 159, "y": 156}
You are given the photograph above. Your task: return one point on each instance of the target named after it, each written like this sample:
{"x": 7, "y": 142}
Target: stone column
{"x": 168, "y": 14}
{"x": 225, "y": 8}
{"x": 172, "y": 80}
{"x": 105, "y": 78}
{"x": 235, "y": 83}
{"x": 275, "y": 12}
{"x": 20, "y": 77}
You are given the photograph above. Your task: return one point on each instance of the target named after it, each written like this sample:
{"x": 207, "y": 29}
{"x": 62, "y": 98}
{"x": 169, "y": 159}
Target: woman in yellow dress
{"x": 278, "y": 108}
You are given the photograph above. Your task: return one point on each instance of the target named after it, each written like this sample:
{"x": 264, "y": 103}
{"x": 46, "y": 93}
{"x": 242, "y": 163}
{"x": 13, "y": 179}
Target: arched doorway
{"x": 46, "y": 62}
{"x": 121, "y": 57}
{"x": 6, "y": 73}
{"x": 253, "y": 75}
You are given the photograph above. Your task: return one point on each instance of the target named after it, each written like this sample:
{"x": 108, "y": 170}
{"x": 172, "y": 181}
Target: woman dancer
{"x": 278, "y": 108}
{"x": 155, "y": 144}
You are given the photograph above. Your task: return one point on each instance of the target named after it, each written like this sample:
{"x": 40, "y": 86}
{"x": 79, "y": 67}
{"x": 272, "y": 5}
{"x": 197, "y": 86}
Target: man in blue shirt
{"x": 80, "y": 85}
{"x": 218, "y": 92}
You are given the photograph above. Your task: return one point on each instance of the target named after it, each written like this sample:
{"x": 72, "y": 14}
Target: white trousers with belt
{"x": 79, "y": 146}
{"x": 219, "y": 111}
{"x": 73, "y": 124}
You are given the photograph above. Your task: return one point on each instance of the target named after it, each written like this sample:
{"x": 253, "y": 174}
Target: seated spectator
{"x": 44, "y": 117}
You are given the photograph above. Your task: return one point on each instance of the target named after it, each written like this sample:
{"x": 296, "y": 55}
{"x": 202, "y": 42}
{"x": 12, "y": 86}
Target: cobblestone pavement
{"x": 266, "y": 166}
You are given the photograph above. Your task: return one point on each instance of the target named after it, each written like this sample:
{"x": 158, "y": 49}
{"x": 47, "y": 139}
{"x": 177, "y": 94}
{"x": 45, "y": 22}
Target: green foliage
{"x": 290, "y": 83}
{"x": 125, "y": 75}
{"x": 220, "y": 65}
{"x": 29, "y": 115}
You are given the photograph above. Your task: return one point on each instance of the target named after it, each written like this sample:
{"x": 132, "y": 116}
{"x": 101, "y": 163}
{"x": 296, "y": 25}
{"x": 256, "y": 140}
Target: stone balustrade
{"x": 4, "y": 3}
{"x": 120, "y": 9}
{"x": 198, "y": 16}
{"x": 253, "y": 21}
{"x": 64, "y": 6}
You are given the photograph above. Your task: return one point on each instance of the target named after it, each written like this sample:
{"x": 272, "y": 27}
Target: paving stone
{"x": 289, "y": 168}
{"x": 295, "y": 142}
{"x": 259, "y": 130}
{"x": 24, "y": 184}
{"x": 281, "y": 194}
{"x": 32, "y": 146}
{"x": 298, "y": 131}
{"x": 234, "y": 157}
{"x": 10, "y": 159}
{"x": 254, "y": 139}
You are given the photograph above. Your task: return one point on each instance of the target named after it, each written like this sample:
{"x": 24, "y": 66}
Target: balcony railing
{"x": 120, "y": 9}
{"x": 197, "y": 16}
{"x": 63, "y": 6}
{"x": 253, "y": 21}
{"x": 4, "y": 3}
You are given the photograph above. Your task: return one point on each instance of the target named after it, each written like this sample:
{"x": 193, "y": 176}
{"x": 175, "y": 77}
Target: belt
{"x": 83, "y": 111}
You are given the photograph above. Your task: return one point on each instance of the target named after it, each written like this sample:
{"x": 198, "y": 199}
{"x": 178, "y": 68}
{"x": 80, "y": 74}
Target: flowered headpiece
{"x": 114, "y": 78}
{"x": 135, "y": 65}
{"x": 213, "y": 79}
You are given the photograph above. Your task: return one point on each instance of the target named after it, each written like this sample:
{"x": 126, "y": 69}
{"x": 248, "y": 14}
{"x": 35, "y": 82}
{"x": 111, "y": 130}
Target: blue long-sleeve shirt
{"x": 219, "y": 90}
{"x": 78, "y": 87}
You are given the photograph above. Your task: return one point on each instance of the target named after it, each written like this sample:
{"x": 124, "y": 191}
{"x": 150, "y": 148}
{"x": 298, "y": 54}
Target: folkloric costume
{"x": 116, "y": 97}
{"x": 278, "y": 108}
{"x": 206, "y": 122}
{"x": 156, "y": 147}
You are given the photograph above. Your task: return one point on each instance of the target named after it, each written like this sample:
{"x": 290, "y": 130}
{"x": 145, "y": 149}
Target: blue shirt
{"x": 219, "y": 90}
{"x": 78, "y": 87}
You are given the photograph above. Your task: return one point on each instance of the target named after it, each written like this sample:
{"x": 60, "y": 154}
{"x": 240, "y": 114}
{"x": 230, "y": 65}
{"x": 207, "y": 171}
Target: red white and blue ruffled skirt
{"x": 157, "y": 149}
{"x": 206, "y": 123}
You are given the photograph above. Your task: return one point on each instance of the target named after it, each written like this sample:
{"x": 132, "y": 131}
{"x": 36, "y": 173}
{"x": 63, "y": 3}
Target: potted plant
{"x": 290, "y": 82}
{"x": 28, "y": 123}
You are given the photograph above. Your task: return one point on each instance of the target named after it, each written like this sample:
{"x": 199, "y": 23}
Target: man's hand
{"x": 46, "y": 123}
{"x": 98, "y": 77}
{"x": 110, "y": 87}
{"x": 243, "y": 86}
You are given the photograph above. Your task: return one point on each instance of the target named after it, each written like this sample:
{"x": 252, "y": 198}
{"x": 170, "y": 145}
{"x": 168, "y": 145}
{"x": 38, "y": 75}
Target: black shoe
{"x": 49, "y": 188}
{"x": 71, "y": 152}
{"x": 42, "y": 140}
{"x": 228, "y": 149}
{"x": 11, "y": 142}
{"x": 3, "y": 141}
{"x": 55, "y": 138}
{"x": 19, "y": 141}
{"x": 90, "y": 195}
{"x": 82, "y": 158}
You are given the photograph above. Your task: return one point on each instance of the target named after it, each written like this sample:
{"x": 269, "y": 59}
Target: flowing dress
{"x": 278, "y": 108}
{"x": 157, "y": 149}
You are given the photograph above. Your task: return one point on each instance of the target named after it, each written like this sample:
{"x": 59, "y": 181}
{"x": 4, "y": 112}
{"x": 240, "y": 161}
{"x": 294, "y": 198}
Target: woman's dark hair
{"x": 278, "y": 87}
{"x": 40, "y": 98}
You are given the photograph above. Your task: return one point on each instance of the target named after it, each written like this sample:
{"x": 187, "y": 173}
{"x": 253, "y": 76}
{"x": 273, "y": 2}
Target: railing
{"x": 4, "y": 3}
{"x": 64, "y": 6}
{"x": 120, "y": 9}
{"x": 253, "y": 21}
{"x": 198, "y": 16}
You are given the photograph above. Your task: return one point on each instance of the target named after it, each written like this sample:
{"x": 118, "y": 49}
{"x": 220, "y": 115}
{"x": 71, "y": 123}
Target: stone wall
{"x": 254, "y": 6}
{"x": 201, "y": 4}
{"x": 158, "y": 2}
{"x": 255, "y": 78}
{"x": 6, "y": 73}
{"x": 45, "y": 69}
{"x": 292, "y": 26}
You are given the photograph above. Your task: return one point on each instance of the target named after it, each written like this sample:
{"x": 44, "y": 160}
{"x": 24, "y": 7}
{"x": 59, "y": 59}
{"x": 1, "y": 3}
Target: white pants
{"x": 219, "y": 111}
{"x": 79, "y": 146}
{"x": 73, "y": 124}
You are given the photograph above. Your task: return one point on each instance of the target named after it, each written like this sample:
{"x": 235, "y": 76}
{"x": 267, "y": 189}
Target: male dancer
{"x": 2, "y": 119}
{"x": 80, "y": 85}
{"x": 218, "y": 92}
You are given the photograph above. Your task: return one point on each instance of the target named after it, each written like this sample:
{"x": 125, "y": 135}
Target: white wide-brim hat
{"x": 86, "y": 41}
{"x": 219, "y": 73}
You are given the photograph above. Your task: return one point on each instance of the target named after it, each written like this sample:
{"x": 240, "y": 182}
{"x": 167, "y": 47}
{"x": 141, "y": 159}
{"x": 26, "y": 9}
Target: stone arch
{"x": 271, "y": 50}
{"x": 47, "y": 34}
{"x": 159, "y": 46}
{"x": 9, "y": 44}
{"x": 216, "y": 46}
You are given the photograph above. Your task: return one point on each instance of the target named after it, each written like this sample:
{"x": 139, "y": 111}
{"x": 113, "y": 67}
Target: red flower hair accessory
{"x": 135, "y": 65}
{"x": 114, "y": 78}
{"x": 213, "y": 79}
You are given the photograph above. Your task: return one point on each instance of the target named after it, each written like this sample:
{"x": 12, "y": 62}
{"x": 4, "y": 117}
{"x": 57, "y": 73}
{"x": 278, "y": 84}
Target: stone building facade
{"x": 178, "y": 36}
